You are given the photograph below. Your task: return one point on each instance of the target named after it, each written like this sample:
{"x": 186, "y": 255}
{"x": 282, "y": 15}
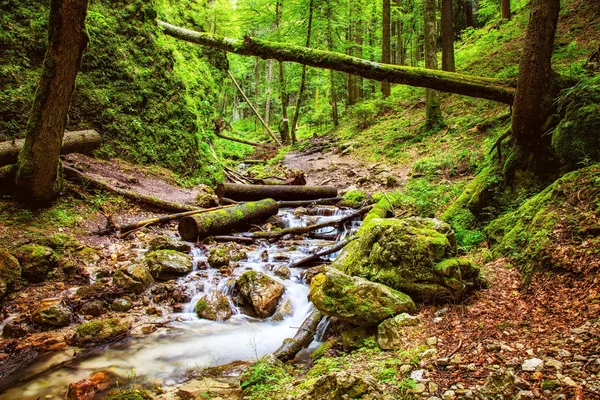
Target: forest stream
{"x": 187, "y": 342}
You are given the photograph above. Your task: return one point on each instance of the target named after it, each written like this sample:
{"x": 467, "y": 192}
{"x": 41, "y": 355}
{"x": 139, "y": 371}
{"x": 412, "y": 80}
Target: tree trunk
{"x": 284, "y": 126}
{"x": 385, "y": 44}
{"x": 536, "y": 81}
{"x": 303, "y": 78}
{"x": 447, "y": 37}
{"x": 38, "y": 180}
{"x": 305, "y": 335}
{"x": 501, "y": 90}
{"x": 241, "y": 192}
{"x": 433, "y": 111}
{"x": 73, "y": 142}
{"x": 469, "y": 13}
{"x": 334, "y": 107}
{"x": 506, "y": 9}
{"x": 268, "y": 99}
{"x": 226, "y": 220}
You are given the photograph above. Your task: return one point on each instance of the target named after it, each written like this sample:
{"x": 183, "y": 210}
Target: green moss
{"x": 101, "y": 331}
{"x": 201, "y": 305}
{"x": 131, "y": 394}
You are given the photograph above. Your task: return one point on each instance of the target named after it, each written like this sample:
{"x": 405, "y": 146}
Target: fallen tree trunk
{"x": 330, "y": 201}
{"x": 318, "y": 254}
{"x": 240, "y": 192}
{"x": 501, "y": 90}
{"x": 73, "y": 142}
{"x": 226, "y": 220}
{"x": 300, "y": 230}
{"x": 242, "y": 141}
{"x": 78, "y": 176}
{"x": 305, "y": 335}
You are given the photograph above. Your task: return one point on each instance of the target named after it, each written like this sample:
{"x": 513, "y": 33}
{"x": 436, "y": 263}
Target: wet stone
{"x": 56, "y": 315}
{"x": 94, "y": 308}
{"x": 168, "y": 264}
{"x": 165, "y": 242}
{"x": 36, "y": 261}
{"x": 214, "y": 306}
{"x": 121, "y": 305}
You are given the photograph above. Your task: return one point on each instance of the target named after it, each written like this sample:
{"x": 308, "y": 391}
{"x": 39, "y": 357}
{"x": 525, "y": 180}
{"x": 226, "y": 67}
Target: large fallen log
{"x": 73, "y": 142}
{"x": 502, "y": 90}
{"x": 227, "y": 220}
{"x": 305, "y": 335}
{"x": 241, "y": 192}
{"x": 300, "y": 230}
{"x": 331, "y": 201}
{"x": 78, "y": 176}
{"x": 238, "y": 140}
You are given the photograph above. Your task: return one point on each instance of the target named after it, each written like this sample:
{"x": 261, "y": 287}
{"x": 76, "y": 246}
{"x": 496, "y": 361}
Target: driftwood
{"x": 164, "y": 219}
{"x": 305, "y": 335}
{"x": 318, "y": 254}
{"x": 73, "y": 142}
{"x": 300, "y": 230}
{"x": 237, "y": 239}
{"x": 227, "y": 220}
{"x": 78, "y": 176}
{"x": 241, "y": 192}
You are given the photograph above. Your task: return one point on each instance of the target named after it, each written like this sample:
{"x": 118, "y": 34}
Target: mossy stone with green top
{"x": 168, "y": 264}
{"x": 36, "y": 261}
{"x": 101, "y": 331}
{"x": 10, "y": 271}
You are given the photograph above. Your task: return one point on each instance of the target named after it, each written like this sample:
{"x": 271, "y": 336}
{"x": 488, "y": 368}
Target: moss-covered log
{"x": 502, "y": 90}
{"x": 226, "y": 220}
{"x": 305, "y": 335}
{"x": 73, "y": 142}
{"x": 241, "y": 192}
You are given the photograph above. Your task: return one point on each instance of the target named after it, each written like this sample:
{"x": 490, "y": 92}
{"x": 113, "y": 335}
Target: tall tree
{"x": 433, "y": 110}
{"x": 447, "y": 37}
{"x": 386, "y": 44}
{"x": 38, "y": 170}
{"x": 330, "y": 47}
{"x": 284, "y": 126}
{"x": 506, "y": 9}
{"x": 303, "y": 77}
{"x": 536, "y": 81}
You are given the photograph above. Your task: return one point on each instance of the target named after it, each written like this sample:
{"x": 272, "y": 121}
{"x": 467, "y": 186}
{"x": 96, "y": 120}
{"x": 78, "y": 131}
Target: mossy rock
{"x": 165, "y": 242}
{"x": 121, "y": 305}
{"x": 214, "y": 306}
{"x": 133, "y": 278}
{"x": 95, "y": 308}
{"x": 576, "y": 139}
{"x": 10, "y": 269}
{"x": 260, "y": 291}
{"x": 390, "y": 331}
{"x": 101, "y": 331}
{"x": 354, "y": 198}
{"x": 131, "y": 394}
{"x": 56, "y": 315}
{"x": 89, "y": 256}
{"x": 354, "y": 338}
{"x": 404, "y": 253}
{"x": 91, "y": 291}
{"x": 219, "y": 256}
{"x": 168, "y": 264}
{"x": 355, "y": 300}
{"x": 206, "y": 200}
{"x": 37, "y": 261}
{"x": 284, "y": 310}
{"x": 60, "y": 242}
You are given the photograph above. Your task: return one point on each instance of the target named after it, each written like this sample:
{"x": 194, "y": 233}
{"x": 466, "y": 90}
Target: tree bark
{"x": 226, "y": 220}
{"x": 73, "y": 142}
{"x": 386, "y": 44}
{"x": 433, "y": 110}
{"x": 240, "y": 192}
{"x": 536, "y": 81}
{"x": 501, "y": 90}
{"x": 334, "y": 107}
{"x": 506, "y": 9}
{"x": 301, "y": 340}
{"x": 38, "y": 180}
{"x": 447, "y": 37}
{"x": 317, "y": 255}
{"x": 303, "y": 78}
{"x": 284, "y": 126}
{"x": 268, "y": 99}
{"x": 241, "y": 141}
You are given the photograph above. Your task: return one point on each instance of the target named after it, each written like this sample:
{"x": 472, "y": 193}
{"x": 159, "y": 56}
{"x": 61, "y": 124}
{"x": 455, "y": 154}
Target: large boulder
{"x": 356, "y": 300}
{"x": 10, "y": 271}
{"x": 261, "y": 292}
{"x": 36, "y": 261}
{"x": 413, "y": 255}
{"x": 214, "y": 306}
{"x": 133, "y": 278}
{"x": 165, "y": 242}
{"x": 56, "y": 315}
{"x": 168, "y": 264}
{"x": 339, "y": 385}
{"x": 101, "y": 331}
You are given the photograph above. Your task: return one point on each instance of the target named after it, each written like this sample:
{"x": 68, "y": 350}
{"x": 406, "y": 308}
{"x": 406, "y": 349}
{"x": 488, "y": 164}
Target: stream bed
{"x": 186, "y": 342}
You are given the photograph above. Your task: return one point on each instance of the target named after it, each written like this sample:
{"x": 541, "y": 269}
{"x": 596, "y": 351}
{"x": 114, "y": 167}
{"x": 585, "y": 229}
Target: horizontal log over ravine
{"x": 73, "y": 142}
{"x": 501, "y": 90}
{"x": 226, "y": 220}
{"x": 242, "y": 192}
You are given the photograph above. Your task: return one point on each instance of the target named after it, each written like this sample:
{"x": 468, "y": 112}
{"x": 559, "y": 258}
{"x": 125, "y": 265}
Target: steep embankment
{"x": 150, "y": 97}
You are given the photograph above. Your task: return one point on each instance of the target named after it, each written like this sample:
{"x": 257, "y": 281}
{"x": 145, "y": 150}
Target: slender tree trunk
{"x": 385, "y": 45}
{"x": 334, "y": 107}
{"x": 38, "y": 170}
{"x": 469, "y": 13}
{"x": 303, "y": 78}
{"x": 433, "y": 111}
{"x": 536, "y": 83}
{"x": 268, "y": 99}
{"x": 284, "y": 127}
{"x": 506, "y": 9}
{"x": 447, "y": 37}
{"x": 256, "y": 90}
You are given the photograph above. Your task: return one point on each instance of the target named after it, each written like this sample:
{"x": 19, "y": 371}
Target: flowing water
{"x": 188, "y": 342}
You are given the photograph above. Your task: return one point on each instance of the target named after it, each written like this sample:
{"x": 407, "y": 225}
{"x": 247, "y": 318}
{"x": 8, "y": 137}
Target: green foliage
{"x": 264, "y": 379}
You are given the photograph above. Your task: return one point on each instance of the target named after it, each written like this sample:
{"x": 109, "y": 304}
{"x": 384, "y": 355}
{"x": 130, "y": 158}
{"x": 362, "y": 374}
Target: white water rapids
{"x": 189, "y": 342}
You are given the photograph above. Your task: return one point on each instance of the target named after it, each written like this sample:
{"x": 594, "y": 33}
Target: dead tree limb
{"x": 305, "y": 335}
{"x": 501, "y": 90}
{"x": 233, "y": 139}
{"x": 78, "y": 176}
{"x": 318, "y": 254}
{"x": 329, "y": 201}
{"x": 239, "y": 192}
{"x": 262, "y": 121}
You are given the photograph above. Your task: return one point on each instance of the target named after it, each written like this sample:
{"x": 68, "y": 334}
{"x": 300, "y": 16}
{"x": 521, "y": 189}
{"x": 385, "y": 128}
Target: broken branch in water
{"x": 318, "y": 254}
